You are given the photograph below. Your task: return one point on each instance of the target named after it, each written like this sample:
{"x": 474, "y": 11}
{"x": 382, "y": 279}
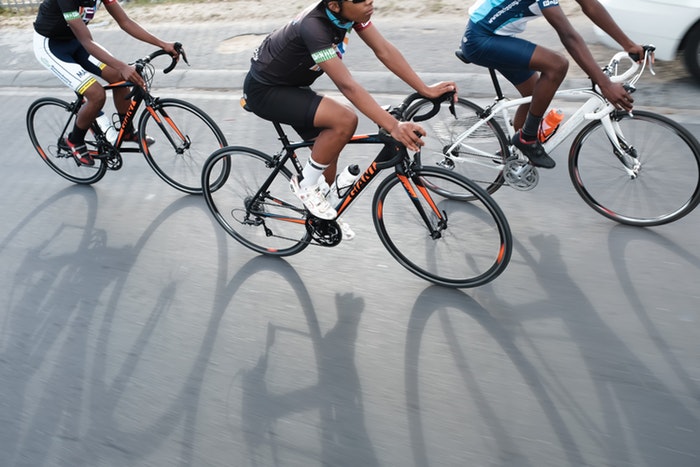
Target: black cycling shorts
{"x": 291, "y": 105}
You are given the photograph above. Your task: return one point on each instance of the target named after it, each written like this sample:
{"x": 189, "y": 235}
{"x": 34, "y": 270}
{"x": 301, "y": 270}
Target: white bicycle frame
{"x": 596, "y": 107}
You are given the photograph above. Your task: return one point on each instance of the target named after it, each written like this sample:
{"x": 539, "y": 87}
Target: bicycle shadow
{"x": 337, "y": 393}
{"x": 619, "y": 240}
{"x": 447, "y": 303}
{"x": 628, "y": 405}
{"x": 37, "y": 314}
{"x": 53, "y": 307}
{"x": 619, "y": 378}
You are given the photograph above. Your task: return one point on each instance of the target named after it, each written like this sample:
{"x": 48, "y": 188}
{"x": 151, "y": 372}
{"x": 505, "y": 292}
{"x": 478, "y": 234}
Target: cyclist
{"x": 534, "y": 70}
{"x": 291, "y": 58}
{"x": 64, "y": 45}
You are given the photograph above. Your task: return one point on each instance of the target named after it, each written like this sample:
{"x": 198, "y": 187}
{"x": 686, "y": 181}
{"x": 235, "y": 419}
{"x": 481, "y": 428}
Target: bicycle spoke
{"x": 271, "y": 223}
{"x": 660, "y": 186}
{"x": 443, "y": 239}
{"x": 184, "y": 137}
{"x": 48, "y": 121}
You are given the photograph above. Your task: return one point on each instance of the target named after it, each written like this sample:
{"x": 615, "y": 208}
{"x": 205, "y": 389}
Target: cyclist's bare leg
{"x": 542, "y": 86}
{"x": 95, "y": 100}
{"x": 339, "y": 123}
{"x": 111, "y": 75}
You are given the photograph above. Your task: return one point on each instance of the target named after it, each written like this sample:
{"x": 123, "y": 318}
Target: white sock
{"x": 312, "y": 173}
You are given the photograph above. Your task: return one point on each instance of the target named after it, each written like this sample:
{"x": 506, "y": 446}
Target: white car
{"x": 672, "y": 26}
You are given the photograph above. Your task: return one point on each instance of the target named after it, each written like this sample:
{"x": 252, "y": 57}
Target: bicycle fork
{"x": 435, "y": 230}
{"x": 156, "y": 110}
{"x": 625, "y": 153}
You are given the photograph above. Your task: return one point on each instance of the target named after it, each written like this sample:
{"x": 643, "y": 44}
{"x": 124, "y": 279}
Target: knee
{"x": 96, "y": 95}
{"x": 560, "y": 67}
{"x": 347, "y": 122}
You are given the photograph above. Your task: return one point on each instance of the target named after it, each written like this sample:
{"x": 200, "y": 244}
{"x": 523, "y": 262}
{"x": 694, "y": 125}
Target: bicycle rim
{"x": 480, "y": 157}
{"x": 273, "y": 224}
{"x": 184, "y": 137}
{"x": 666, "y": 186}
{"x": 49, "y": 121}
{"x": 473, "y": 249}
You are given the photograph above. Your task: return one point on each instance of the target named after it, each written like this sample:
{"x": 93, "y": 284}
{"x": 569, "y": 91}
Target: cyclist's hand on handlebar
{"x": 172, "y": 49}
{"x": 129, "y": 73}
{"x": 637, "y": 53}
{"x": 438, "y": 89}
{"x": 409, "y": 134}
{"x": 618, "y": 96}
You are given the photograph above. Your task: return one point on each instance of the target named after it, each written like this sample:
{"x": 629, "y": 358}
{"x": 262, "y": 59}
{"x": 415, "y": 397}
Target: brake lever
{"x": 181, "y": 50}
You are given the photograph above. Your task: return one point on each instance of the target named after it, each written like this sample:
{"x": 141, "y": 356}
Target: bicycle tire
{"x": 49, "y": 120}
{"x": 277, "y": 227}
{"x": 666, "y": 188}
{"x": 444, "y": 128}
{"x": 185, "y": 136}
{"x": 473, "y": 250}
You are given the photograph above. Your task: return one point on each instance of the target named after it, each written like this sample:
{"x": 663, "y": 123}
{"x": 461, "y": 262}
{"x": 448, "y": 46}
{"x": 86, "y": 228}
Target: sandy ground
{"x": 252, "y": 10}
{"x": 238, "y": 10}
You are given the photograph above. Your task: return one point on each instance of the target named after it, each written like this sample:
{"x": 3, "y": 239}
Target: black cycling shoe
{"x": 533, "y": 151}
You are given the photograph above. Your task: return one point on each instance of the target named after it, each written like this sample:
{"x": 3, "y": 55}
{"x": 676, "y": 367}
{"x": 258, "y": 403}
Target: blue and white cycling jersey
{"x": 507, "y": 17}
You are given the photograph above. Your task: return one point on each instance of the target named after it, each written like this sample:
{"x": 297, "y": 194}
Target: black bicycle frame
{"x": 391, "y": 155}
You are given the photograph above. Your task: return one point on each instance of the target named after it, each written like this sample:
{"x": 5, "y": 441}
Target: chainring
{"x": 324, "y": 232}
{"x": 520, "y": 174}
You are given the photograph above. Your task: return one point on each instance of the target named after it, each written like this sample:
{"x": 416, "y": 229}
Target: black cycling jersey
{"x": 290, "y": 55}
{"x": 52, "y": 19}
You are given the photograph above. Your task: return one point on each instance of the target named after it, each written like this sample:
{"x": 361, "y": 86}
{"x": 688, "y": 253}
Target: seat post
{"x": 496, "y": 84}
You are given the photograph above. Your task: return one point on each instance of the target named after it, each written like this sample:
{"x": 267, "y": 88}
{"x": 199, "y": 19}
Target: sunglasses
{"x": 356, "y": 1}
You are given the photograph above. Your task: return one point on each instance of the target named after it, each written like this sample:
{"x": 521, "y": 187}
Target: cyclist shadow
{"x": 337, "y": 395}
{"x": 620, "y": 401}
{"x": 445, "y": 304}
{"x": 41, "y": 313}
{"x": 620, "y": 237}
{"x": 620, "y": 397}
{"x": 54, "y": 302}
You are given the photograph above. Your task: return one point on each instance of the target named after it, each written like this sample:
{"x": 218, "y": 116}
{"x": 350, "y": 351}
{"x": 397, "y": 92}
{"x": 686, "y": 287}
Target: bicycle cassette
{"x": 520, "y": 174}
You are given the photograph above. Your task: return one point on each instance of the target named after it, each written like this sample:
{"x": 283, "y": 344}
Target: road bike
{"x": 636, "y": 168}
{"x": 184, "y": 134}
{"x": 445, "y": 240}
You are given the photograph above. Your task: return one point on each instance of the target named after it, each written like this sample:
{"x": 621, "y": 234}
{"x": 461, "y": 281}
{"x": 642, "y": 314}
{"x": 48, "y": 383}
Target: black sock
{"x": 529, "y": 130}
{"x": 77, "y": 136}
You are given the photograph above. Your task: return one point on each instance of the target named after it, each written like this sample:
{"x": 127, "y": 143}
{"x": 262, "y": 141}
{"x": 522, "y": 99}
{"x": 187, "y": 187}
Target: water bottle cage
{"x": 544, "y": 139}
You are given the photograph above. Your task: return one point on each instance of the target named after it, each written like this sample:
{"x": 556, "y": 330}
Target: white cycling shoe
{"x": 348, "y": 233}
{"x": 313, "y": 199}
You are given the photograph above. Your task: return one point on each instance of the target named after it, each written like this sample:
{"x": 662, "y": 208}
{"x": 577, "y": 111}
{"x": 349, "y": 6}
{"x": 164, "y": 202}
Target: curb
{"x": 676, "y": 101}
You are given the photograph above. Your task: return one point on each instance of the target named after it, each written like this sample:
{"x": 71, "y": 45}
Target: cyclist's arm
{"x": 394, "y": 60}
{"x": 365, "y": 103}
{"x": 84, "y": 36}
{"x": 577, "y": 48}
{"x": 136, "y": 31}
{"x": 597, "y": 13}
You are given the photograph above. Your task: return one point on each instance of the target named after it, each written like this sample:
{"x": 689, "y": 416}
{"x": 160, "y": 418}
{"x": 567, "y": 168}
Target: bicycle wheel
{"x": 480, "y": 157}
{"x": 185, "y": 136}
{"x": 473, "y": 245}
{"x": 272, "y": 224}
{"x": 663, "y": 187}
{"x": 49, "y": 121}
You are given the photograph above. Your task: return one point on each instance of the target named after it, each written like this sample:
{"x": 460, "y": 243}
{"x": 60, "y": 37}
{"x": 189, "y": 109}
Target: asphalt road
{"x": 134, "y": 332}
